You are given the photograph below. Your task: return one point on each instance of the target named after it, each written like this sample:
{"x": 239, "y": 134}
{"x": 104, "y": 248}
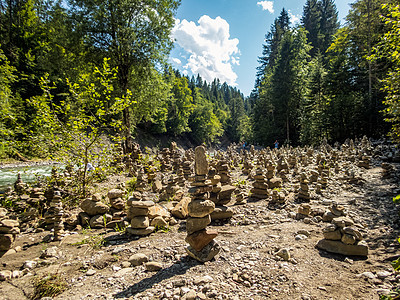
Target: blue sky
{"x": 223, "y": 38}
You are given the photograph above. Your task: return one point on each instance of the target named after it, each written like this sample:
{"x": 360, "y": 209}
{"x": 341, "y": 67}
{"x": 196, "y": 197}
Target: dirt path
{"x": 247, "y": 267}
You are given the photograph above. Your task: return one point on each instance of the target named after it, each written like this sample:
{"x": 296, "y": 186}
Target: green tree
{"x": 282, "y": 90}
{"x": 75, "y": 125}
{"x": 314, "y": 109}
{"x": 134, "y": 34}
{"x": 389, "y": 49}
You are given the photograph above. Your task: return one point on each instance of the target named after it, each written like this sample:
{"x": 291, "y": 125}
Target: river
{"x": 9, "y": 174}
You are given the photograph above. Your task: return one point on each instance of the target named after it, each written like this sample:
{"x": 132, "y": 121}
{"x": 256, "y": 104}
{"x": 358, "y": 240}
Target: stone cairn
{"x": 260, "y": 186}
{"x": 8, "y": 230}
{"x": 141, "y": 182}
{"x": 342, "y": 237}
{"x": 94, "y": 212}
{"x": 304, "y": 193}
{"x": 202, "y": 246}
{"x": 138, "y": 214}
{"x": 117, "y": 202}
{"x": 387, "y": 170}
{"x": 223, "y": 171}
{"x": 58, "y": 212}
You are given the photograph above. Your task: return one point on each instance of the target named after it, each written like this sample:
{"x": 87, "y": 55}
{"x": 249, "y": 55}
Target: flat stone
{"x": 90, "y": 272}
{"x": 354, "y": 232}
{"x": 141, "y": 232}
{"x": 361, "y": 249}
{"x": 342, "y": 222}
{"x": 115, "y": 193}
{"x": 333, "y": 235}
{"x": 200, "y": 239}
{"x": 140, "y": 204}
{"x": 206, "y": 254}
{"x": 200, "y": 208}
{"x": 226, "y": 191}
{"x": 196, "y": 224}
{"x": 9, "y": 223}
{"x": 138, "y": 258}
{"x": 200, "y": 189}
{"x": 221, "y": 213}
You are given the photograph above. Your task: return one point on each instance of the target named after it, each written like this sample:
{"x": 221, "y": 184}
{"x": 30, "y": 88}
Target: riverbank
{"x": 20, "y": 164}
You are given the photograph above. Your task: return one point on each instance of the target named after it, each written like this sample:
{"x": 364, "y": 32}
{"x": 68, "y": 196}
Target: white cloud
{"x": 294, "y": 19}
{"x": 212, "y": 52}
{"x": 267, "y": 5}
{"x": 177, "y": 61}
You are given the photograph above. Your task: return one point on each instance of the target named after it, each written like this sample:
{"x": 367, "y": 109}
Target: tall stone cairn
{"x": 202, "y": 246}
{"x": 57, "y": 207}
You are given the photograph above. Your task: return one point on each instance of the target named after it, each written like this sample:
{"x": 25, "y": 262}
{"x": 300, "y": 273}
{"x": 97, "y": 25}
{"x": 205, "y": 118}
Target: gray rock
{"x": 5, "y": 275}
{"x": 140, "y": 222}
{"x": 200, "y": 208}
{"x": 152, "y": 266}
{"x": 138, "y": 259}
{"x": 115, "y": 193}
{"x": 141, "y": 232}
{"x": 206, "y": 254}
{"x": 93, "y": 208}
{"x": 201, "y": 163}
{"x": 221, "y": 213}
{"x": 196, "y": 224}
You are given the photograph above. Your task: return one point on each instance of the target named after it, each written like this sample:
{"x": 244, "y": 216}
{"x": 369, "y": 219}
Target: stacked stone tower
{"x": 202, "y": 246}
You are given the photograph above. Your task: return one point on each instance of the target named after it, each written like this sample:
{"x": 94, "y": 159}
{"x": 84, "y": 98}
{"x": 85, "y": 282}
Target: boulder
{"x": 93, "y": 208}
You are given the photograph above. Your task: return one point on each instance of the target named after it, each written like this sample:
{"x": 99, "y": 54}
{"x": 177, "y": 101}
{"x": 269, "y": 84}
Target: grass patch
{"x": 48, "y": 286}
{"x": 94, "y": 241}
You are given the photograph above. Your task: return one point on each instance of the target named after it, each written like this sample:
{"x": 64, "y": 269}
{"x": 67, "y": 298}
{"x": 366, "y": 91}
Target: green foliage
{"x": 389, "y": 49}
{"x": 162, "y": 229}
{"x": 48, "y": 286}
{"x": 94, "y": 241}
{"x": 396, "y": 199}
{"x": 131, "y": 184}
{"x": 75, "y": 124}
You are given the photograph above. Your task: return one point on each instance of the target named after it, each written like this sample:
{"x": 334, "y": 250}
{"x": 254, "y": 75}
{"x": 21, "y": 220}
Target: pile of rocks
{"x": 222, "y": 211}
{"x": 304, "y": 193}
{"x": 56, "y": 206}
{"x": 94, "y": 212}
{"x": 117, "y": 202}
{"x": 342, "y": 237}
{"x": 8, "y": 230}
{"x": 223, "y": 171}
{"x": 260, "y": 186}
{"x": 138, "y": 214}
{"x": 202, "y": 246}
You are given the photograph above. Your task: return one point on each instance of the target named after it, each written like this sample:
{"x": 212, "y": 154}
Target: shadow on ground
{"x": 178, "y": 268}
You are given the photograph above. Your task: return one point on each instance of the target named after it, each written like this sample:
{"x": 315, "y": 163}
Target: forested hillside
{"x": 319, "y": 80}
{"x": 80, "y": 67}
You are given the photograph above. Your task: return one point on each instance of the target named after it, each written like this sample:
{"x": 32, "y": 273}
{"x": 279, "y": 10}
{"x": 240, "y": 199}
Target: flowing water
{"x": 8, "y": 175}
